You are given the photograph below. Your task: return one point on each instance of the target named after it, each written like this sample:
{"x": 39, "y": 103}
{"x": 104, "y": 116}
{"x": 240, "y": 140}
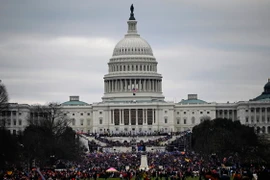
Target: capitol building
{"x": 133, "y": 100}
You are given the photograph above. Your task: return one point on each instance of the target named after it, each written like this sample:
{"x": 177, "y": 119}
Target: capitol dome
{"x": 132, "y": 70}
{"x": 132, "y": 44}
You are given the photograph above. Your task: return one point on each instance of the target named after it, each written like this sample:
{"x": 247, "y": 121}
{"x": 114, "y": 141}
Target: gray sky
{"x": 51, "y": 49}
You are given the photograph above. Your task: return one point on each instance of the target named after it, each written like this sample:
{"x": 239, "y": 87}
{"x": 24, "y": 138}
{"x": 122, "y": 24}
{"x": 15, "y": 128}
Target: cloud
{"x": 218, "y": 49}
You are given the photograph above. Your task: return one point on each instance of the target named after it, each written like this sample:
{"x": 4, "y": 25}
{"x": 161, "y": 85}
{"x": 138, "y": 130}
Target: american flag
{"x": 134, "y": 90}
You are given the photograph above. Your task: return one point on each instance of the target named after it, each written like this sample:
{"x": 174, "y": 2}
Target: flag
{"x": 134, "y": 90}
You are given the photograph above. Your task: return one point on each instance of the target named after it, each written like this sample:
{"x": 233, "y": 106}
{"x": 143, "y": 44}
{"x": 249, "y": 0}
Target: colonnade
{"x": 125, "y": 85}
{"x": 259, "y": 114}
{"x": 227, "y": 113}
{"x": 133, "y": 116}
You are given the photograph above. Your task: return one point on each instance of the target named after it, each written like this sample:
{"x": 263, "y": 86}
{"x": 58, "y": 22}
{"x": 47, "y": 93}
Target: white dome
{"x": 132, "y": 45}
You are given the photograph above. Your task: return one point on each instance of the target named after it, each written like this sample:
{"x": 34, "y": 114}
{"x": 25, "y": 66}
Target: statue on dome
{"x": 131, "y": 8}
{"x": 131, "y": 13}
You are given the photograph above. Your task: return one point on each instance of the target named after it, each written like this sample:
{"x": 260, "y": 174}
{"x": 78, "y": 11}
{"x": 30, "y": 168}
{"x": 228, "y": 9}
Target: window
{"x": 8, "y": 122}
{"x": 100, "y": 112}
{"x": 88, "y": 122}
{"x": 193, "y": 120}
{"x": 14, "y": 122}
{"x": 100, "y": 121}
{"x": 20, "y": 113}
{"x": 73, "y": 114}
{"x": 82, "y": 122}
{"x": 165, "y": 112}
{"x": 165, "y": 120}
{"x": 246, "y": 119}
{"x": 208, "y": 112}
{"x": 88, "y": 114}
{"x": 185, "y": 113}
{"x": 177, "y": 112}
{"x": 14, "y": 113}
{"x": 192, "y": 112}
{"x": 178, "y": 121}
{"x": 14, "y": 132}
{"x": 73, "y": 122}
{"x": 81, "y": 114}
{"x": 65, "y": 114}
{"x": 20, "y": 122}
{"x": 201, "y": 112}
{"x": 185, "y": 121}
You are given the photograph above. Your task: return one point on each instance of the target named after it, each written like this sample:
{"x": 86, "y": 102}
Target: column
{"x": 223, "y": 114}
{"x": 265, "y": 118}
{"x": 113, "y": 117}
{"x": 143, "y": 116}
{"x": 260, "y": 115}
{"x": 121, "y": 85}
{"x": 156, "y": 81}
{"x": 139, "y": 85}
{"x": 249, "y": 114}
{"x": 232, "y": 115}
{"x": 122, "y": 116}
{"x": 109, "y": 85}
{"x": 255, "y": 114}
{"x": 228, "y": 114}
{"x": 160, "y": 86}
{"x": 129, "y": 117}
{"x": 146, "y": 116}
{"x": 154, "y": 116}
{"x": 130, "y": 87}
{"x": 135, "y": 83}
{"x": 144, "y": 84}
{"x": 136, "y": 116}
{"x": 125, "y": 84}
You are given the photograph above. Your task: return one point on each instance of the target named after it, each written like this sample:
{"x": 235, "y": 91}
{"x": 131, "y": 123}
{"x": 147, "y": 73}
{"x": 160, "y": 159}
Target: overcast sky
{"x": 51, "y": 49}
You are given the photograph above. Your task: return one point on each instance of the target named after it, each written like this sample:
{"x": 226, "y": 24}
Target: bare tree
{"x": 49, "y": 135}
{"x": 50, "y": 116}
{"x": 3, "y": 103}
{"x": 3, "y": 94}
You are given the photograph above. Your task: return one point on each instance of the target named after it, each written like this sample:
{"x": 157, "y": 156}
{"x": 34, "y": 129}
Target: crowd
{"x": 111, "y": 143}
{"x": 162, "y": 165}
{"x": 175, "y": 165}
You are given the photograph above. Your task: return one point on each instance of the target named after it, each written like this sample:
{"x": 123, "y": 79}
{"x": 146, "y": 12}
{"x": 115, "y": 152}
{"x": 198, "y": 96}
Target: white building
{"x": 133, "y": 101}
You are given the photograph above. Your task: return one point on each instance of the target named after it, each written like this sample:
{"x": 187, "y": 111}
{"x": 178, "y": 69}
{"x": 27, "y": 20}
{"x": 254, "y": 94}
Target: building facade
{"x": 133, "y": 101}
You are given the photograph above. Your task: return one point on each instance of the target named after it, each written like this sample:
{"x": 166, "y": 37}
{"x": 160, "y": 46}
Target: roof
{"x": 74, "y": 103}
{"x": 265, "y": 96}
{"x": 192, "y": 101}
{"x": 262, "y": 97}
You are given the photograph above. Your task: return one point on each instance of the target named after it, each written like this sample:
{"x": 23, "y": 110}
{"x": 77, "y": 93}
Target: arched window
{"x": 136, "y": 67}
{"x": 140, "y": 67}
{"x": 120, "y": 68}
{"x": 263, "y": 129}
{"x": 193, "y": 120}
{"x": 132, "y": 68}
{"x": 128, "y": 67}
{"x": 124, "y": 68}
